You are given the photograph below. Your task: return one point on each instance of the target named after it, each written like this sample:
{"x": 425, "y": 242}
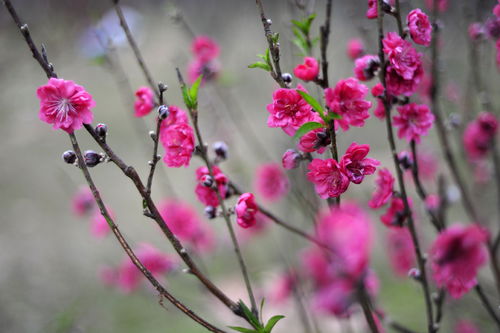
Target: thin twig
{"x": 487, "y": 305}
{"x": 364, "y": 301}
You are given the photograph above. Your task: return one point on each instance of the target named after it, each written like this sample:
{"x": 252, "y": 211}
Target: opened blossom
{"x": 347, "y": 99}
{"x": 178, "y": 141}
{"x": 246, "y": 210}
{"x": 144, "y": 101}
{"x": 398, "y": 85}
{"x": 479, "y": 135}
{"x": 420, "y": 27}
{"x": 185, "y": 223}
{"x": 176, "y": 115}
{"x": 271, "y": 182}
{"x": 328, "y": 178}
{"x": 456, "y": 257}
{"x": 400, "y": 250}
{"x": 372, "y": 12}
{"x": 65, "y": 105}
{"x": 289, "y": 110}
{"x": 395, "y": 216}
{"x": 205, "y": 48}
{"x": 413, "y": 121}
{"x": 385, "y": 188}
{"x": 403, "y": 57}
{"x": 209, "y": 69}
{"x": 355, "y": 163}
{"x": 307, "y": 71}
{"x": 355, "y": 48}
{"x": 314, "y": 141}
{"x": 366, "y": 66}
{"x": 208, "y": 195}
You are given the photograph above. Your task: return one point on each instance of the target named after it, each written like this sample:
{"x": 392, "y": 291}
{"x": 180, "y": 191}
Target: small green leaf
{"x": 332, "y": 115}
{"x": 249, "y": 315}
{"x": 312, "y": 102}
{"x": 301, "y": 45}
{"x": 272, "y": 322}
{"x": 261, "y": 309}
{"x": 275, "y": 37}
{"x": 187, "y": 98}
{"x": 261, "y": 65}
{"x": 242, "y": 329}
{"x": 268, "y": 57}
{"x": 306, "y": 128}
{"x": 193, "y": 91}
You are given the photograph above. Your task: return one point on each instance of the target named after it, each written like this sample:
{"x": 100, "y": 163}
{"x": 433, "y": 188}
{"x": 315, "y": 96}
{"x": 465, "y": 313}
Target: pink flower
{"x": 246, "y": 210}
{"x": 413, "y": 121}
{"x": 403, "y": 57}
{"x": 428, "y": 165}
{"x": 385, "y": 185}
{"x": 442, "y": 4}
{"x": 328, "y": 178}
{"x": 420, "y": 27}
{"x": 176, "y": 115}
{"x": 476, "y": 31}
{"x": 155, "y": 261}
{"x": 289, "y": 110}
{"x": 205, "y": 48}
{"x": 372, "y": 11}
{"x": 366, "y": 66}
{"x": 209, "y": 69}
{"x": 83, "y": 202}
{"x": 271, "y": 182}
{"x": 398, "y": 85}
{"x": 182, "y": 219}
{"x": 347, "y": 100}
{"x": 290, "y": 159}
{"x": 377, "y": 90}
{"x": 283, "y": 287}
{"x": 465, "y": 326}
{"x": 355, "y": 48}
{"x": 178, "y": 141}
{"x": 144, "y": 102}
{"x": 314, "y": 141}
{"x": 379, "y": 111}
{"x": 456, "y": 256}
{"x": 99, "y": 227}
{"x": 355, "y": 164}
{"x": 395, "y": 215}
{"x": 401, "y": 250}
{"x": 307, "y": 71}
{"x": 65, "y": 105}
{"x": 207, "y": 195}
{"x": 479, "y": 135}
{"x": 492, "y": 26}
{"x": 496, "y": 10}
{"x": 432, "y": 202}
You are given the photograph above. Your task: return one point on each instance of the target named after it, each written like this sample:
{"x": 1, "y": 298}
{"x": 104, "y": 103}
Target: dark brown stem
{"x": 487, "y": 305}
{"x": 163, "y": 292}
{"x": 156, "y": 139}
{"x": 397, "y": 15}
{"x": 364, "y": 301}
{"x": 135, "y": 48}
{"x": 203, "y": 153}
{"x": 441, "y": 296}
{"x": 399, "y": 173}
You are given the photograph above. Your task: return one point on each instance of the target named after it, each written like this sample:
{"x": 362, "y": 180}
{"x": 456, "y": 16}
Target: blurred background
{"x": 50, "y": 263}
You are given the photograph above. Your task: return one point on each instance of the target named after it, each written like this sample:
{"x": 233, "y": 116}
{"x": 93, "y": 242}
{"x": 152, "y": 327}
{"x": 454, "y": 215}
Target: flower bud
{"x": 414, "y": 273}
{"x": 220, "y": 149}
{"x": 287, "y": 78}
{"x": 101, "y": 130}
{"x": 405, "y": 160}
{"x": 207, "y": 181}
{"x": 91, "y": 158}
{"x": 163, "y": 112}
{"x": 69, "y": 156}
{"x": 210, "y": 212}
{"x": 291, "y": 159}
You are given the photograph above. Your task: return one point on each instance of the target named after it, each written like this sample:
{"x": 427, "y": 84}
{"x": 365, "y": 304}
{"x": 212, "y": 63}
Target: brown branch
{"x": 364, "y": 301}
{"x": 487, "y": 305}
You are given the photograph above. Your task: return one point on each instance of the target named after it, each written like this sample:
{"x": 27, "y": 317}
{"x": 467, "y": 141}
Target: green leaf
{"x": 249, "y": 315}
{"x": 270, "y": 324}
{"x": 261, "y": 308}
{"x": 312, "y": 102}
{"x": 193, "y": 91}
{"x": 306, "y": 128}
{"x": 261, "y": 65}
{"x": 268, "y": 58}
{"x": 275, "y": 37}
{"x": 305, "y": 24}
{"x": 242, "y": 329}
{"x": 301, "y": 45}
{"x": 187, "y": 98}
{"x": 332, "y": 115}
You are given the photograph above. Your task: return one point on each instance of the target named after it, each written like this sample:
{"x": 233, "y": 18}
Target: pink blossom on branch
{"x": 385, "y": 188}
{"x": 479, "y": 135}
{"x": 271, "y": 182}
{"x": 355, "y": 48}
{"x": 414, "y": 120}
{"x": 144, "y": 102}
{"x": 403, "y": 57}
{"x": 178, "y": 141}
{"x": 456, "y": 256}
{"x": 355, "y": 163}
{"x": 314, "y": 141}
{"x": 207, "y": 195}
{"x": 246, "y": 210}
{"x": 398, "y": 85}
{"x": 65, "y": 105}
{"x": 209, "y": 69}
{"x": 290, "y": 159}
{"x": 395, "y": 215}
{"x": 366, "y": 66}
{"x": 205, "y": 48}
{"x": 420, "y": 27}
{"x": 328, "y": 178}
{"x": 176, "y": 115}
{"x": 347, "y": 99}
{"x": 400, "y": 250}
{"x": 99, "y": 227}
{"x": 83, "y": 202}
{"x": 307, "y": 71}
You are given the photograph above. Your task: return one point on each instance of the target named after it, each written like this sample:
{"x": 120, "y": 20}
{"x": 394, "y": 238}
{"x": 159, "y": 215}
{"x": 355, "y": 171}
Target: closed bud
{"x": 163, "y": 112}
{"x": 162, "y": 87}
{"x": 101, "y": 130}
{"x": 269, "y": 21}
{"x": 405, "y": 160}
{"x": 69, "y": 156}
{"x": 207, "y": 181}
{"x": 287, "y": 78}
{"x": 414, "y": 273}
{"x": 210, "y": 212}
{"x": 220, "y": 149}
{"x": 91, "y": 158}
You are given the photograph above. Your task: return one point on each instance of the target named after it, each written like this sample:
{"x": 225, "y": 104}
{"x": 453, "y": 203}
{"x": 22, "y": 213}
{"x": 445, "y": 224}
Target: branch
{"x": 487, "y": 305}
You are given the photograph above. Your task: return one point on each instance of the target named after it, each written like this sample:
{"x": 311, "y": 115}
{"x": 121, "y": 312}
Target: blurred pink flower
{"x": 400, "y": 250}
{"x": 328, "y": 178}
{"x": 398, "y": 85}
{"x": 83, "y": 201}
{"x": 379, "y": 111}
{"x": 246, "y": 210}
{"x": 99, "y": 227}
{"x": 289, "y": 110}
{"x": 282, "y": 287}
{"x": 347, "y": 99}
{"x": 184, "y": 222}
{"x": 65, "y": 105}
{"x": 355, "y": 48}
{"x": 144, "y": 102}
{"x": 207, "y": 195}
{"x": 432, "y": 202}
{"x": 414, "y": 120}
{"x": 456, "y": 256}
{"x": 155, "y": 261}
{"x": 355, "y": 163}
{"x": 385, "y": 185}
{"x": 442, "y": 5}
{"x": 479, "y": 135}
{"x": 476, "y": 31}
{"x": 209, "y": 69}
{"x": 178, "y": 142}
{"x": 420, "y": 27}
{"x": 205, "y": 48}
{"x": 290, "y": 159}
{"x": 271, "y": 182}
{"x": 465, "y": 326}
{"x": 307, "y": 71}
{"x": 395, "y": 215}
{"x": 366, "y": 66}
